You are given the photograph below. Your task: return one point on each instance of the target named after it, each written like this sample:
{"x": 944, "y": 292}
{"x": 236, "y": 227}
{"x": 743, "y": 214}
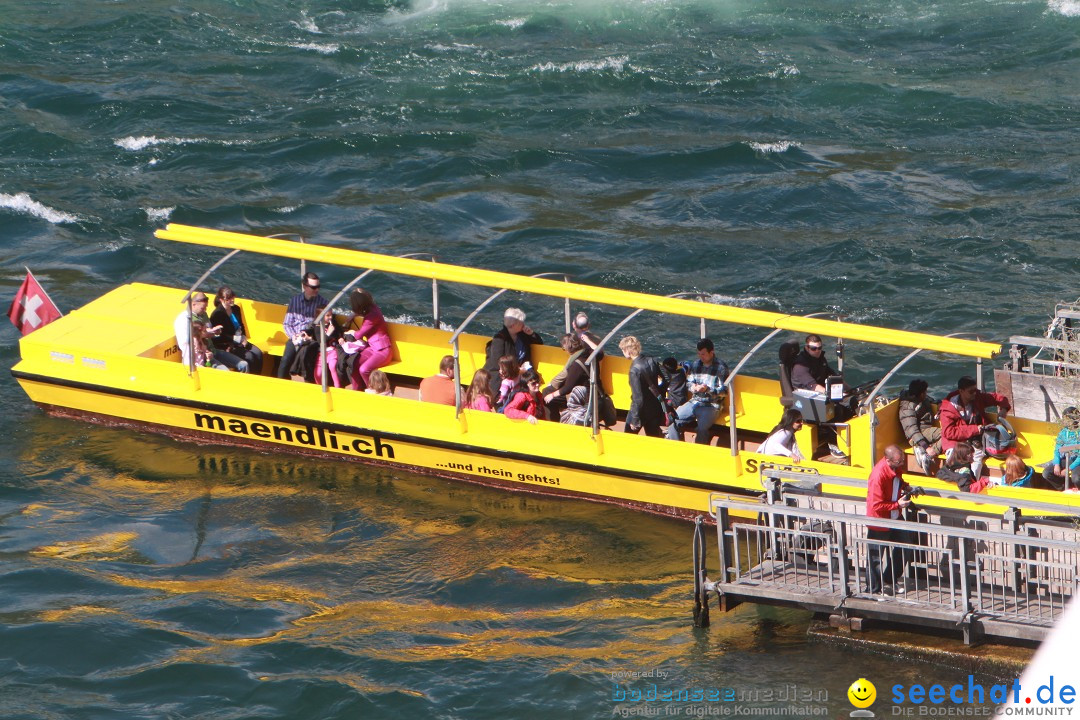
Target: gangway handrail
{"x": 976, "y": 498}
{"x": 759, "y": 506}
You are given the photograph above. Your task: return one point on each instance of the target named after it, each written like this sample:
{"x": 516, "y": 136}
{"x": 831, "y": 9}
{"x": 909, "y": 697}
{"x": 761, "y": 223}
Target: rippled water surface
{"x": 907, "y": 164}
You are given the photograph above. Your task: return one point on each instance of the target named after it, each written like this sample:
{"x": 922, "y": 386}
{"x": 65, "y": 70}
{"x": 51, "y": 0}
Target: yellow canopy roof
{"x": 574, "y": 291}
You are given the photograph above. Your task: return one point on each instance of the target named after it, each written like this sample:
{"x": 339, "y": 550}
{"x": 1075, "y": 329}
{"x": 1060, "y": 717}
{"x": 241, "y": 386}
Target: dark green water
{"x": 908, "y": 164}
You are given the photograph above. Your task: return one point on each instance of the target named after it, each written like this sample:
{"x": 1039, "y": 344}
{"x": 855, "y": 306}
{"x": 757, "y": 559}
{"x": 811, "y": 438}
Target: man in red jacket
{"x": 963, "y": 419}
{"x": 886, "y": 496}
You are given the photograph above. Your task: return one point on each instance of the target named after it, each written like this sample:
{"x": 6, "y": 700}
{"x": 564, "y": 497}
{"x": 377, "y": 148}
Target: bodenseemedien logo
{"x": 862, "y": 694}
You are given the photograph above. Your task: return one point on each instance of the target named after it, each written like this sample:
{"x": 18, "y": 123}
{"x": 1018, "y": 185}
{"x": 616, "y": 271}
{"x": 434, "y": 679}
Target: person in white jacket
{"x": 781, "y": 441}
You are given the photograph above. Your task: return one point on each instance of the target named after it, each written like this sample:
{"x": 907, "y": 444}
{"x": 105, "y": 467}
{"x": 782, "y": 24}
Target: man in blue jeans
{"x": 705, "y": 378}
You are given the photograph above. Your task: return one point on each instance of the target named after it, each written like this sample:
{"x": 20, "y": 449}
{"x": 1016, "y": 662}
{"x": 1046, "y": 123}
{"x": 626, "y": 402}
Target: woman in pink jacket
{"x": 378, "y": 351}
{"x": 527, "y": 403}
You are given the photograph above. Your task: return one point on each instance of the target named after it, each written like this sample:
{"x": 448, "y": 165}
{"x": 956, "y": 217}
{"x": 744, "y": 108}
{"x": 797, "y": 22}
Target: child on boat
{"x": 510, "y": 372}
{"x": 379, "y": 384}
{"x": 1017, "y": 473}
{"x": 479, "y": 396}
{"x": 957, "y": 469}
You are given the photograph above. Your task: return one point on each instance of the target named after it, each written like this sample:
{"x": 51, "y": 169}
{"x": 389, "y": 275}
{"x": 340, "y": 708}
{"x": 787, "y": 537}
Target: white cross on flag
{"x": 31, "y": 307}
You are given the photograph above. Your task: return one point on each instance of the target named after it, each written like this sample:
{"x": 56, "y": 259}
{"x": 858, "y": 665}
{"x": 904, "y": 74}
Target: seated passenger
{"x": 441, "y": 388}
{"x": 705, "y": 379}
{"x": 515, "y": 339}
{"x": 957, "y": 469}
{"x": 781, "y": 440}
{"x": 963, "y": 418}
{"x": 377, "y": 349}
{"x": 204, "y": 353}
{"x": 527, "y": 403}
{"x": 379, "y": 384}
{"x": 646, "y": 408}
{"x": 1054, "y": 474}
{"x": 509, "y": 378}
{"x": 182, "y": 329}
{"x": 577, "y": 407}
{"x": 1018, "y": 474}
{"x": 301, "y": 313}
{"x": 810, "y": 372}
{"x": 573, "y": 374}
{"x": 233, "y": 339}
{"x": 674, "y": 382}
{"x": 479, "y": 395}
{"x": 917, "y": 419}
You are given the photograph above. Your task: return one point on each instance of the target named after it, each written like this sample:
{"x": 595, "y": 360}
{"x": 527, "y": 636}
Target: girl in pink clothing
{"x": 479, "y": 395}
{"x": 373, "y": 331}
{"x": 510, "y": 372}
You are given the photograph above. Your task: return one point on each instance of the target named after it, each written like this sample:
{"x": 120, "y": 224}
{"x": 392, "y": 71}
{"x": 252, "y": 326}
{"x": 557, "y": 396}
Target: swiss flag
{"x": 31, "y": 307}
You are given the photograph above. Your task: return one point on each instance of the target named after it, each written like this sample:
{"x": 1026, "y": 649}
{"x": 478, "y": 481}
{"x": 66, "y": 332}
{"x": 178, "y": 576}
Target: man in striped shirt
{"x": 300, "y": 314}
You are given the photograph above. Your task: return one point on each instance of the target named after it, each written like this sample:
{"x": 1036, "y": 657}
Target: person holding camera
{"x": 886, "y": 496}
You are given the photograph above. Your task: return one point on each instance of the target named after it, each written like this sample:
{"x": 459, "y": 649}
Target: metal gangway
{"x": 1005, "y": 576}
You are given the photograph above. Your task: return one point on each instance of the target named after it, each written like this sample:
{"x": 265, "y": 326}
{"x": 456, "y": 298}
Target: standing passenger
{"x": 886, "y": 495}
{"x": 300, "y": 314}
{"x": 646, "y": 408}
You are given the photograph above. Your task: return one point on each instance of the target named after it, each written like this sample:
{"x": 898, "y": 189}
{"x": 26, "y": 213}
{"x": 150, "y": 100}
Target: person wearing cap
{"x": 182, "y": 329}
{"x": 300, "y": 314}
{"x": 963, "y": 418}
{"x": 1064, "y": 469}
{"x": 515, "y": 339}
{"x": 917, "y": 420}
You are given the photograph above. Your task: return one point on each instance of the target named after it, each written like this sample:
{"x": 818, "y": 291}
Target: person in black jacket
{"x": 516, "y": 339}
{"x": 233, "y": 337}
{"x": 646, "y": 409}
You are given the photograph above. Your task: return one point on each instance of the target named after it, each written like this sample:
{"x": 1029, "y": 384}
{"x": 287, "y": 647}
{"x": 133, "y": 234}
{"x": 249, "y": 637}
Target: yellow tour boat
{"x": 116, "y": 361}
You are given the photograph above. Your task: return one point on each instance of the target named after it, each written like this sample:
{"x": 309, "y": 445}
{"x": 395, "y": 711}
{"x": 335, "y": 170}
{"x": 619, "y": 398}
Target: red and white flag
{"x": 32, "y": 307}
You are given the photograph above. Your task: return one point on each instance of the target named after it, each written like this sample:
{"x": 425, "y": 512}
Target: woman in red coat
{"x": 527, "y": 403}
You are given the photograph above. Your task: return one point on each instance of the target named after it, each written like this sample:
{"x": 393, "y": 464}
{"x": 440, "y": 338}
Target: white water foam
{"x": 781, "y": 146}
{"x": 142, "y": 142}
{"x": 1068, "y": 8}
{"x": 615, "y": 64}
{"x": 512, "y": 23}
{"x": 157, "y": 215}
{"x": 23, "y": 203}
{"x": 307, "y": 24}
{"x": 752, "y": 301}
{"x": 321, "y": 48}
{"x": 785, "y": 71}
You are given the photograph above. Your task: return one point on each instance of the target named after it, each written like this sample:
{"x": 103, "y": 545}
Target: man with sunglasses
{"x": 299, "y": 316}
{"x": 810, "y": 372}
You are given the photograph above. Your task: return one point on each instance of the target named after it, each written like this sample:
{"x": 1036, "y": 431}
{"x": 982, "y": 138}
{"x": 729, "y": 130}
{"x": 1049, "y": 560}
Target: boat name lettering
{"x": 501, "y": 472}
{"x": 305, "y": 435}
{"x": 753, "y": 465}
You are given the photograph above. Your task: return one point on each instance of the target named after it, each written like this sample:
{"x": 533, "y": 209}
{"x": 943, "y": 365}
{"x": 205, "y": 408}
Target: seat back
{"x": 788, "y": 352}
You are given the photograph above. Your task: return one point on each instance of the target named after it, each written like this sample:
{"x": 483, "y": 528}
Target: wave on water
{"x": 512, "y": 23}
{"x": 23, "y": 203}
{"x": 780, "y": 146}
{"x": 1068, "y": 8}
{"x": 613, "y": 64}
{"x": 753, "y": 302}
{"x": 144, "y": 141}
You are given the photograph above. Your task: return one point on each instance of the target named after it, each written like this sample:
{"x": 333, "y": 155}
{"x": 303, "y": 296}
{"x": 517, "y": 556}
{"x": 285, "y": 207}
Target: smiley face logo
{"x": 862, "y": 693}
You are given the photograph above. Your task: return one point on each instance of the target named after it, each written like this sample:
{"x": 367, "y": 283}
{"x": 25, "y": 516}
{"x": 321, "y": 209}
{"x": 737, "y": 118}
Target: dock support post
{"x": 701, "y": 592}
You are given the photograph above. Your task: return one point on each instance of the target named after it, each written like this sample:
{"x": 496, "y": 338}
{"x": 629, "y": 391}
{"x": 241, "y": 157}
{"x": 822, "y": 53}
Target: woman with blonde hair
{"x": 646, "y": 409}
